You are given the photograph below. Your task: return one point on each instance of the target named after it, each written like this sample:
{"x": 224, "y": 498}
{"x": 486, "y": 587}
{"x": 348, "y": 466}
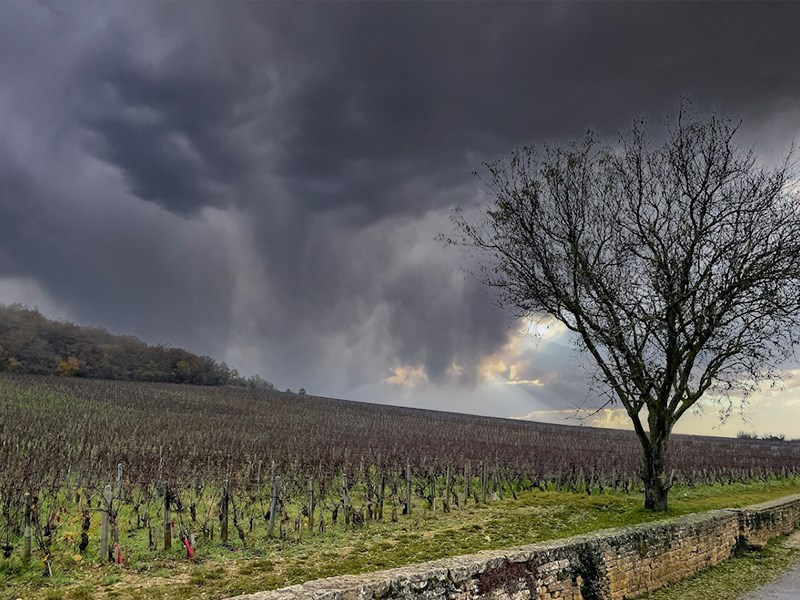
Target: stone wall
{"x": 611, "y": 564}
{"x": 760, "y": 523}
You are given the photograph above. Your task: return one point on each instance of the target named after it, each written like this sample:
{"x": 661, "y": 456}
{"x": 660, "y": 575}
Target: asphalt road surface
{"x": 786, "y": 587}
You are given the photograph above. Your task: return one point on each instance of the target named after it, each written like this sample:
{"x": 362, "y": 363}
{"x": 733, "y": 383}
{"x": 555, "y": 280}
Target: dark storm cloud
{"x": 462, "y": 321}
{"x": 168, "y": 121}
{"x": 412, "y": 88}
{"x": 17, "y": 218}
{"x": 263, "y": 181}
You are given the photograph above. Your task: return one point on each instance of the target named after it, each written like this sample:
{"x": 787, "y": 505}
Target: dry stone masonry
{"x": 612, "y": 564}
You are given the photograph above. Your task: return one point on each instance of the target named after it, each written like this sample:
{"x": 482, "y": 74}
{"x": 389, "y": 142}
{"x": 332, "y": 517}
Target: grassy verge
{"x": 268, "y": 563}
{"x": 744, "y": 573}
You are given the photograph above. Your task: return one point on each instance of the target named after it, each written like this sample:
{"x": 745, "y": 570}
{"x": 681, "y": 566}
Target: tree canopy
{"x": 674, "y": 258}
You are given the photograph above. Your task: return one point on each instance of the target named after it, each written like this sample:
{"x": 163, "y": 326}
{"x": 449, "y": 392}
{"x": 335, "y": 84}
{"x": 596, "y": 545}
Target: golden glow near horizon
{"x": 536, "y": 358}
{"x": 407, "y": 377}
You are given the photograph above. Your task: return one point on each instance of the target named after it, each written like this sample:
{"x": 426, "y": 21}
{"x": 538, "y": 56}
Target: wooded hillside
{"x": 32, "y": 343}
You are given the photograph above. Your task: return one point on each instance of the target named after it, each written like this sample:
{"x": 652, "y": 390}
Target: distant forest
{"x": 32, "y": 343}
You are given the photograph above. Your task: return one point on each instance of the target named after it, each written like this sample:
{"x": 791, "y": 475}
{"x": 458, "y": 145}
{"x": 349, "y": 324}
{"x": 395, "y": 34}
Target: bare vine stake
{"x": 167, "y": 519}
{"x": 432, "y": 485}
{"x": 366, "y": 479}
{"x": 105, "y": 510}
{"x": 160, "y": 462}
{"x": 383, "y": 495}
{"x": 476, "y": 494}
{"x": 484, "y": 483}
{"x": 276, "y": 481}
{"x": 223, "y": 524}
{"x": 408, "y": 488}
{"x": 446, "y": 503}
{"x": 345, "y": 500}
{"x": 467, "y": 478}
{"x": 310, "y": 506}
{"x": 119, "y": 481}
{"x": 28, "y": 534}
{"x": 114, "y": 526}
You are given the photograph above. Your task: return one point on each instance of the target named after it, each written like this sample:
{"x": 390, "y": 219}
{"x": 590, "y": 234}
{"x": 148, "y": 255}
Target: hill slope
{"x": 209, "y": 432}
{"x": 338, "y": 474}
{"x": 32, "y": 343}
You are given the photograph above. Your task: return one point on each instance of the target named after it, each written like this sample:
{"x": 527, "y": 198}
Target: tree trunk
{"x": 656, "y": 488}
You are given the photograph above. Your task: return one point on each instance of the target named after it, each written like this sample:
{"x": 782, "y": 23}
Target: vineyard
{"x": 112, "y": 471}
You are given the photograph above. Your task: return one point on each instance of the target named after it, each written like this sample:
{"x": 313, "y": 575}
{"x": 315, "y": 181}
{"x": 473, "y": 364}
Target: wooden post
{"x": 366, "y": 478}
{"x": 26, "y": 553}
{"x": 383, "y": 495}
{"x": 300, "y": 527}
{"x": 105, "y": 510}
{"x": 408, "y": 488}
{"x": 310, "y": 505}
{"x": 114, "y": 526}
{"x": 223, "y": 514}
{"x": 467, "y": 480}
{"x": 432, "y": 490}
{"x": 345, "y": 500}
{"x": 276, "y": 481}
{"x": 160, "y": 462}
{"x": 119, "y": 481}
{"x": 446, "y": 503}
{"x": 167, "y": 519}
{"x": 484, "y": 483}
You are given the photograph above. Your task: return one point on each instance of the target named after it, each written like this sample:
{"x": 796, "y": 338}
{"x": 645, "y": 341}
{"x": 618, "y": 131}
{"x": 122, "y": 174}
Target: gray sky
{"x": 263, "y": 182}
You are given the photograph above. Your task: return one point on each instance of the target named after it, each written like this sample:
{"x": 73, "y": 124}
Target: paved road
{"x": 787, "y": 587}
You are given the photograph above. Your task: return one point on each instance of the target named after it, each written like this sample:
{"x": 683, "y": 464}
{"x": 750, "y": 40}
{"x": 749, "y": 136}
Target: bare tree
{"x": 675, "y": 260}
